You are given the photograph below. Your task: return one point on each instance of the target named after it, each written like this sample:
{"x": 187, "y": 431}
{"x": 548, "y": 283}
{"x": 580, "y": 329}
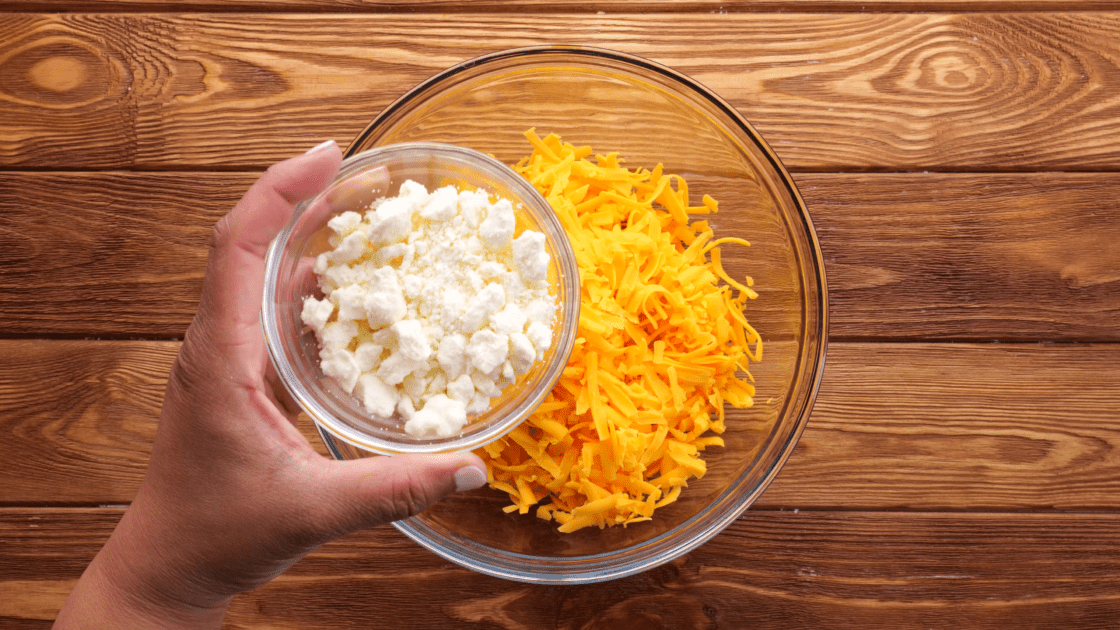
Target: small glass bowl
{"x": 289, "y": 280}
{"x": 649, "y": 114}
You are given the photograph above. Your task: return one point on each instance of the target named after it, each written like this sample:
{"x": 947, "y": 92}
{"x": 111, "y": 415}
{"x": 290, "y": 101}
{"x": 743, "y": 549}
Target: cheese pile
{"x": 659, "y": 345}
{"x": 431, "y": 306}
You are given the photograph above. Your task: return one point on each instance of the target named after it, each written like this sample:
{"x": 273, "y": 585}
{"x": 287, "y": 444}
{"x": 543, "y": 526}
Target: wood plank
{"x": 831, "y": 92}
{"x": 66, "y": 91}
{"x": 536, "y": 6}
{"x": 767, "y": 570}
{"x": 1014, "y": 257}
{"x": 895, "y": 427}
{"x": 959, "y": 427}
{"x": 79, "y": 418}
{"x": 978, "y": 257}
{"x": 107, "y": 254}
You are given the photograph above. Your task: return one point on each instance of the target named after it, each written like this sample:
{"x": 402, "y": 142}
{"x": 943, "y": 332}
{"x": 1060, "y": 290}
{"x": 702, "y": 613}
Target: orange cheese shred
{"x": 662, "y": 344}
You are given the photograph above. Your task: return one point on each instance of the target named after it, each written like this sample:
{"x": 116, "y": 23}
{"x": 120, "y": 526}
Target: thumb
{"x": 378, "y": 490}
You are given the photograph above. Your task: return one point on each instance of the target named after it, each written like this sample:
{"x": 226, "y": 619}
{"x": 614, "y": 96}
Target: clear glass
{"x": 648, "y": 114}
{"x": 294, "y": 349}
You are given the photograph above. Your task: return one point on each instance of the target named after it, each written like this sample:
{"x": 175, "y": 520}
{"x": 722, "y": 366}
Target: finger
{"x": 378, "y": 490}
{"x": 360, "y": 189}
{"x": 304, "y": 281}
{"x": 231, "y": 297}
{"x": 356, "y": 192}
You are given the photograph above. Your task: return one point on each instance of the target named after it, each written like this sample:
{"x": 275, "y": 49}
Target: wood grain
{"x": 565, "y": 6}
{"x": 830, "y": 92}
{"x": 80, "y": 415}
{"x": 895, "y": 426}
{"x": 79, "y": 418}
{"x": 952, "y": 257}
{"x": 954, "y": 427}
{"x": 767, "y": 570}
{"x": 66, "y": 91}
{"x": 107, "y": 254}
{"x": 980, "y": 257}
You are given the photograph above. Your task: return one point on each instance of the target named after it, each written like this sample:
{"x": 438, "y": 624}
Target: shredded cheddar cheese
{"x": 659, "y": 345}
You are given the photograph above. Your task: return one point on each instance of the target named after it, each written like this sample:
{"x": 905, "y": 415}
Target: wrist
{"x": 129, "y": 586}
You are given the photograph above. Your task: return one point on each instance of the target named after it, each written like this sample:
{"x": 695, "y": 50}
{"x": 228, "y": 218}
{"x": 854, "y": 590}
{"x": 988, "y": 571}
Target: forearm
{"x": 124, "y": 587}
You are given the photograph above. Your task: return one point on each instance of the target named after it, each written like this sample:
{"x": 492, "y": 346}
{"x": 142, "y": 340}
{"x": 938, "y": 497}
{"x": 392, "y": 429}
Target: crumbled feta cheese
{"x": 386, "y": 255}
{"x": 384, "y": 303}
{"x": 497, "y": 229}
{"x": 384, "y": 338}
{"x": 391, "y": 222}
{"x": 440, "y": 417}
{"x": 414, "y": 387}
{"x": 509, "y": 320}
{"x": 411, "y": 340}
{"x": 412, "y": 285}
{"x": 479, "y": 404}
{"x": 379, "y": 399}
{"x": 350, "y": 249}
{"x": 461, "y": 389}
{"x": 413, "y": 190}
{"x": 452, "y": 305}
{"x": 472, "y": 207}
{"x": 441, "y": 305}
{"x": 441, "y": 205}
{"x": 337, "y": 276}
{"x": 368, "y": 356}
{"x": 350, "y": 300}
{"x": 491, "y": 269}
{"x": 406, "y": 409}
{"x": 397, "y": 366}
{"x": 337, "y": 335}
{"x": 341, "y": 365}
{"x": 316, "y": 313}
{"x": 485, "y": 385}
{"x": 487, "y": 350}
{"x": 437, "y": 385}
{"x": 543, "y": 311}
{"x": 489, "y": 300}
{"x": 531, "y": 256}
{"x": 522, "y": 353}
{"x": 452, "y": 355}
{"x": 345, "y": 223}
{"x": 541, "y": 336}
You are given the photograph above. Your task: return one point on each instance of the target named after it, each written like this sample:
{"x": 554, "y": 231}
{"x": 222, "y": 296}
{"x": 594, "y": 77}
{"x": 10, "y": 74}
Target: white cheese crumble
{"x": 432, "y": 306}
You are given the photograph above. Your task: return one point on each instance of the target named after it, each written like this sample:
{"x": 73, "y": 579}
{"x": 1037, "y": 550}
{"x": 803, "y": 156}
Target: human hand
{"x": 234, "y": 493}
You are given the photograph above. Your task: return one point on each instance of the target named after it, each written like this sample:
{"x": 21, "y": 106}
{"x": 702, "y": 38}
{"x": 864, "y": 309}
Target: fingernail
{"x": 469, "y": 478}
{"x": 319, "y": 147}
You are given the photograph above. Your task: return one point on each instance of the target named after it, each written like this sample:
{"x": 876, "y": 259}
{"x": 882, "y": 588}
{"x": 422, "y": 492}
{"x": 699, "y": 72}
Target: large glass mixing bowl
{"x": 649, "y": 114}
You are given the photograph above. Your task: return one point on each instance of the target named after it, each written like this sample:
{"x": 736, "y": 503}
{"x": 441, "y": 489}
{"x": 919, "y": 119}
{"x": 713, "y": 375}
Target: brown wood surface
{"x": 768, "y": 570}
{"x": 959, "y": 159}
{"x": 551, "y": 6}
{"x": 107, "y": 254}
{"x": 1012, "y": 257}
{"x": 849, "y": 91}
{"x": 944, "y": 426}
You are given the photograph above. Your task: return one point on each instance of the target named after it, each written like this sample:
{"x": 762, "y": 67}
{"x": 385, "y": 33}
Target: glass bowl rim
{"x": 598, "y": 568}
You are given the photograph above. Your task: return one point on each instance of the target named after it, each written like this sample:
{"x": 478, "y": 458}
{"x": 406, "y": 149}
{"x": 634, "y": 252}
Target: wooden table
{"x": 961, "y": 468}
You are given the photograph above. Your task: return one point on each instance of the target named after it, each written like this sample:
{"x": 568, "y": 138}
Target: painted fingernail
{"x": 469, "y": 478}
{"x": 319, "y": 147}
